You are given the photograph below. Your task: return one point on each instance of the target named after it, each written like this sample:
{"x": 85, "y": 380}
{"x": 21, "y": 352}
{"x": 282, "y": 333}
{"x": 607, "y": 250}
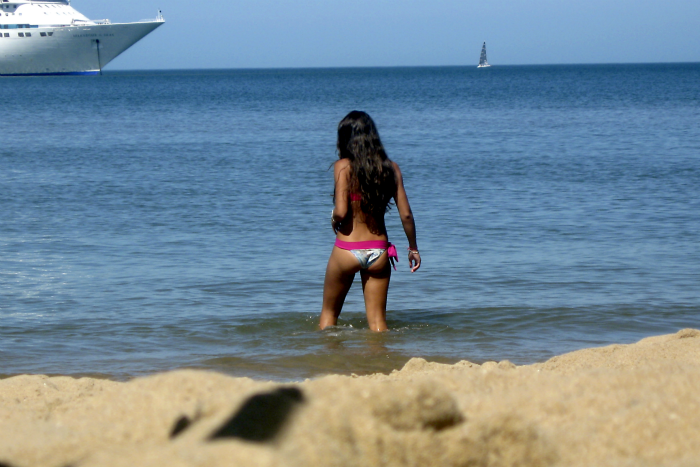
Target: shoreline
{"x": 630, "y": 404}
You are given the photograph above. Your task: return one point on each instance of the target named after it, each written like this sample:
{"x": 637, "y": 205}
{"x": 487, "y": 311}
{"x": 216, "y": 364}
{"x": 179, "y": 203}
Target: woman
{"x": 365, "y": 182}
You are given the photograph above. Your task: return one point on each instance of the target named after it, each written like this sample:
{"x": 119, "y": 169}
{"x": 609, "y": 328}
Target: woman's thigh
{"x": 375, "y": 285}
{"x": 340, "y": 272}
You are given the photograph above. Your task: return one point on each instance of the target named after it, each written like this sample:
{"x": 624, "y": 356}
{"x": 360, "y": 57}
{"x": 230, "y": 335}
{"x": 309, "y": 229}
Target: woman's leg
{"x": 375, "y": 285}
{"x": 340, "y": 272}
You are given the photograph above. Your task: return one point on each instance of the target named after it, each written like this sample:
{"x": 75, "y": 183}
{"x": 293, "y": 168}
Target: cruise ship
{"x": 49, "y": 37}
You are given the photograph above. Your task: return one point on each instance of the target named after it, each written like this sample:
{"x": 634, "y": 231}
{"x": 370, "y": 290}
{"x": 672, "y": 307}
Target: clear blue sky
{"x": 334, "y": 33}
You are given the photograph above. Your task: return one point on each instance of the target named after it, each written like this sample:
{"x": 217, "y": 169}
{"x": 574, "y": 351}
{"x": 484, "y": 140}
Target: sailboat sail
{"x": 483, "y": 63}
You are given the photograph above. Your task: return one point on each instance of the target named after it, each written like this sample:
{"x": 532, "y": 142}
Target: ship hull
{"x": 73, "y": 50}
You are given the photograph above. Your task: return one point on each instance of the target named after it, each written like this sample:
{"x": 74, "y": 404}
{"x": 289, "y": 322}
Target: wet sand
{"x": 621, "y": 405}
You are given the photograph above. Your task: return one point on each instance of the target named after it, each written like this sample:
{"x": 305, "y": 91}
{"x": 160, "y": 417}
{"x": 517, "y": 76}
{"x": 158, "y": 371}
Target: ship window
{"x": 7, "y": 34}
{"x": 28, "y": 34}
{"x": 50, "y": 34}
{"x": 21, "y": 34}
{"x": 42, "y": 34}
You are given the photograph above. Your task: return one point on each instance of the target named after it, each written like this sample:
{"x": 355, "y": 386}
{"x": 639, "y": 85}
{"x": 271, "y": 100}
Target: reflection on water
{"x": 364, "y": 342}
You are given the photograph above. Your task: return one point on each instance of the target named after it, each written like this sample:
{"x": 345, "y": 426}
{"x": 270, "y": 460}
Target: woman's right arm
{"x": 409, "y": 225}
{"x": 340, "y": 174}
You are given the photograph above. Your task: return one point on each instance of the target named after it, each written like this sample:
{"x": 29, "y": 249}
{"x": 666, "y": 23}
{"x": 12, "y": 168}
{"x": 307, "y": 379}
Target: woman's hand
{"x": 413, "y": 260}
{"x": 335, "y": 224}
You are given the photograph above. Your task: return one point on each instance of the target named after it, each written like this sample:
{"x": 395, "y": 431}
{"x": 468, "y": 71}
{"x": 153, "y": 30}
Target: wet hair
{"x": 372, "y": 172}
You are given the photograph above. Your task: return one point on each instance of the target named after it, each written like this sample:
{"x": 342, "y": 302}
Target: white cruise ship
{"x": 49, "y": 37}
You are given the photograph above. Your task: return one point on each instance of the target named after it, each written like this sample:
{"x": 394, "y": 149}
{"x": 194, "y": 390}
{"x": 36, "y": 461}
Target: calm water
{"x": 160, "y": 220}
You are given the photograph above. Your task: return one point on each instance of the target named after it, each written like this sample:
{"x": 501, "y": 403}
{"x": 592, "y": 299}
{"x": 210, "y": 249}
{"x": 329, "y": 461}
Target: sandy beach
{"x": 621, "y": 405}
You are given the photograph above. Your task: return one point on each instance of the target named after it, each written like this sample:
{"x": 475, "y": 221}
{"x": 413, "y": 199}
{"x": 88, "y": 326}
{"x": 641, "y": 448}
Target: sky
{"x": 352, "y": 33}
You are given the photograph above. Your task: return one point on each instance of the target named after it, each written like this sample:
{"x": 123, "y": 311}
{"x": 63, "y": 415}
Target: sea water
{"x": 180, "y": 219}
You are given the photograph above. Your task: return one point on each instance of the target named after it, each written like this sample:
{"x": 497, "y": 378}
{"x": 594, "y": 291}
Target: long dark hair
{"x": 372, "y": 172}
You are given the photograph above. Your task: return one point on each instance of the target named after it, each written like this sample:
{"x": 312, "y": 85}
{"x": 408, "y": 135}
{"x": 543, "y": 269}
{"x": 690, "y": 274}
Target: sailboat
{"x": 483, "y": 63}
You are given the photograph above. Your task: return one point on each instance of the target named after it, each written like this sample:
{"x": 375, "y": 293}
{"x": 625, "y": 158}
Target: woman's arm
{"x": 409, "y": 225}
{"x": 341, "y": 175}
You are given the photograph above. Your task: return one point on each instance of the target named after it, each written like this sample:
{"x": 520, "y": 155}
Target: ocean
{"x": 158, "y": 220}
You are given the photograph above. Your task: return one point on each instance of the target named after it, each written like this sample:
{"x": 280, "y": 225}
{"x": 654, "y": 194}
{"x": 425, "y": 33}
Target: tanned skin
{"x": 342, "y": 265}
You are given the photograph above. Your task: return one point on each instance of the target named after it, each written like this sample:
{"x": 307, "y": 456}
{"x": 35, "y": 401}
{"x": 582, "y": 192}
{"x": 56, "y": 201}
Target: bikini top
{"x": 355, "y": 197}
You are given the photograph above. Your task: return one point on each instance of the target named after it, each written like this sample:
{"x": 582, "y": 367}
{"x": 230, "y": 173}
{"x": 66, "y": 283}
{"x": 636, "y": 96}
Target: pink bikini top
{"x": 355, "y": 197}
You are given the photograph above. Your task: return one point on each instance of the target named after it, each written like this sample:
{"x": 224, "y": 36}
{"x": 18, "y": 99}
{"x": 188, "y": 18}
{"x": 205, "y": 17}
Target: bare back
{"x": 354, "y": 226}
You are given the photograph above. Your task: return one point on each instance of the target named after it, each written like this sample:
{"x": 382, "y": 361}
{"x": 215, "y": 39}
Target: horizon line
{"x": 400, "y": 66}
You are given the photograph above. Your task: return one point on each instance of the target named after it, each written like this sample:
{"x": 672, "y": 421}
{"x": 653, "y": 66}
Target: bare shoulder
{"x": 397, "y": 170}
{"x": 341, "y": 164}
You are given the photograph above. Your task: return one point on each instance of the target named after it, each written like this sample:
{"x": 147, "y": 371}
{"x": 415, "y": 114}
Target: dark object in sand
{"x": 262, "y": 416}
{"x": 181, "y": 425}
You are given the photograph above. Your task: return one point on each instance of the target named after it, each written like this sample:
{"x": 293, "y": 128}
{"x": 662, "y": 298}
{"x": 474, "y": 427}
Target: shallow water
{"x": 160, "y": 220}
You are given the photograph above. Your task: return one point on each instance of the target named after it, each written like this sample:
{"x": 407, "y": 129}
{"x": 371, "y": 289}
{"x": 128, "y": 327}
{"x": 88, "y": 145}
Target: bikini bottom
{"x": 368, "y": 256}
{"x": 368, "y": 252}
